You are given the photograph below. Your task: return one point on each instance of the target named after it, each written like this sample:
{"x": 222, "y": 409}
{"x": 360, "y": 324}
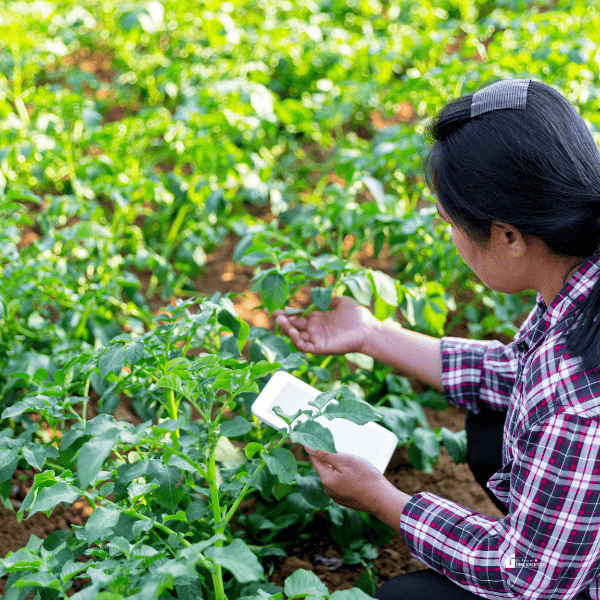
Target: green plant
{"x": 164, "y": 492}
{"x": 137, "y": 138}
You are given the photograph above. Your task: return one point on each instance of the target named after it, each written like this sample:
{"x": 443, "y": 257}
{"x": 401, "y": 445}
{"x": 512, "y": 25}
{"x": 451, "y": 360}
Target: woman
{"x": 516, "y": 174}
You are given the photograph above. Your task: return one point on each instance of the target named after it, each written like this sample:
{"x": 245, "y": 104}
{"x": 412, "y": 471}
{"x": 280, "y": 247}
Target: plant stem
{"x": 172, "y": 407}
{"x": 86, "y": 395}
{"x": 193, "y": 463}
{"x": 217, "y": 578}
{"x": 189, "y": 342}
{"x": 131, "y": 310}
{"x": 241, "y": 496}
{"x": 273, "y": 444}
{"x": 148, "y": 374}
{"x": 54, "y": 465}
{"x": 214, "y": 499}
{"x": 18, "y": 87}
{"x": 214, "y": 490}
{"x": 323, "y": 364}
{"x": 75, "y": 414}
{"x": 174, "y": 231}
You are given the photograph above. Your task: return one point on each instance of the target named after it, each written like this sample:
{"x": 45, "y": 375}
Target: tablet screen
{"x": 290, "y": 398}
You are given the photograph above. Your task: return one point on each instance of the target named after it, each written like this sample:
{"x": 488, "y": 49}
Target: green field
{"x": 134, "y": 139}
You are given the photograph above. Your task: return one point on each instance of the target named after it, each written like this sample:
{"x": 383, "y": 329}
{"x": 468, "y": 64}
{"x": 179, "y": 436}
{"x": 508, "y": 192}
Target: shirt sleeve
{"x": 478, "y": 370}
{"x": 547, "y": 546}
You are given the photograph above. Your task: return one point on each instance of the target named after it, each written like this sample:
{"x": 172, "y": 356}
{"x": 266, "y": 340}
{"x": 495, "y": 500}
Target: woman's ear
{"x": 508, "y": 238}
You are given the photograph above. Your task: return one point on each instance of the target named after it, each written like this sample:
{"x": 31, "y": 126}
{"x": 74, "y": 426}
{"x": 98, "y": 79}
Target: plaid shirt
{"x": 548, "y": 545}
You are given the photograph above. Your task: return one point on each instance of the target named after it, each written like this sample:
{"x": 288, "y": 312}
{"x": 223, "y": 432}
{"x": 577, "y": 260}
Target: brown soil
{"x": 448, "y": 480}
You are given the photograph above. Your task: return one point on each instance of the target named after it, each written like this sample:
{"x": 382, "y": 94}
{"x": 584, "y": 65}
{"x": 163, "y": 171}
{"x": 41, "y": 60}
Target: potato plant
{"x": 166, "y": 491}
{"x": 136, "y": 139}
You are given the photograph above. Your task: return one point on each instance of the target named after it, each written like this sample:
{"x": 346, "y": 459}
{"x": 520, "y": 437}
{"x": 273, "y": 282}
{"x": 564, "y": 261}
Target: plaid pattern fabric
{"x": 548, "y": 546}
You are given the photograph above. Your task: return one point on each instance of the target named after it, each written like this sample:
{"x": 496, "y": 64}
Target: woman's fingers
{"x": 348, "y": 480}
{"x": 290, "y": 320}
{"x": 295, "y": 331}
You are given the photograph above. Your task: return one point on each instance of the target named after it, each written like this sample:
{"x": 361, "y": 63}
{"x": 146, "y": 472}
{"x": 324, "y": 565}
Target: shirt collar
{"x": 576, "y": 289}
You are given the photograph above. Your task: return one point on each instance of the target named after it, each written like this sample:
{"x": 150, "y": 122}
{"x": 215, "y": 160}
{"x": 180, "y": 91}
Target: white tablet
{"x": 370, "y": 441}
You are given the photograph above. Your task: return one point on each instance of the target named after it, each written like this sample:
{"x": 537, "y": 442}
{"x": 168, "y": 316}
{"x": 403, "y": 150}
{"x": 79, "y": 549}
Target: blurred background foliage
{"x": 136, "y": 136}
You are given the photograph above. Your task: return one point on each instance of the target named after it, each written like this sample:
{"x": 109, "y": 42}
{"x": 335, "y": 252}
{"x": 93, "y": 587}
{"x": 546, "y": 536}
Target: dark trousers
{"x": 485, "y": 431}
{"x": 484, "y": 456}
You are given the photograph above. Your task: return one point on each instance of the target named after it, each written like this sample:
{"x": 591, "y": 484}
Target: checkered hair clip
{"x": 510, "y": 93}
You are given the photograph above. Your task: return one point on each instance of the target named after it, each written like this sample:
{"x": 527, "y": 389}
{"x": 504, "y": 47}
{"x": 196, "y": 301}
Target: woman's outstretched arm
{"x": 349, "y": 327}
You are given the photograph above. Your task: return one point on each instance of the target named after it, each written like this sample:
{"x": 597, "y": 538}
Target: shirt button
{"x": 522, "y": 346}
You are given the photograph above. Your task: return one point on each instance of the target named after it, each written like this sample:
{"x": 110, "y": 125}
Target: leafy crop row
{"x": 135, "y": 138}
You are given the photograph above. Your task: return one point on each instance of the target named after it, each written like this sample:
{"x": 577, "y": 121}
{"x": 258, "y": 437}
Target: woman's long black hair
{"x": 537, "y": 169}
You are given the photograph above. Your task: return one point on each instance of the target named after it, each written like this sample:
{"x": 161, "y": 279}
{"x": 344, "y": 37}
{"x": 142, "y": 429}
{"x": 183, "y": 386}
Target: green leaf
{"x": 136, "y": 490}
{"x": 41, "y": 579}
{"x": 274, "y": 291}
{"x": 16, "y": 409}
{"x": 354, "y": 410}
{"x": 252, "y": 448}
{"x": 100, "y": 524}
{"x": 191, "y": 552}
{"x": 134, "y": 351}
{"x": 434, "y": 312}
{"x": 196, "y": 510}
{"x": 376, "y": 188}
{"x": 120, "y": 543}
{"x": 180, "y": 516}
{"x": 112, "y": 360}
{"x": 312, "y": 490}
{"x": 325, "y": 398}
{"x": 23, "y": 558}
{"x": 100, "y": 424}
{"x": 331, "y": 262}
{"x": 237, "y": 558}
{"x": 48, "y": 497}
{"x": 40, "y": 480}
{"x": 188, "y": 589}
{"x": 367, "y": 582}
{"x": 243, "y": 246}
{"x": 172, "y": 381}
{"x": 93, "y": 454}
{"x": 282, "y": 464}
{"x": 360, "y": 287}
{"x": 35, "y": 455}
{"x": 9, "y": 460}
{"x": 237, "y": 326}
{"x": 180, "y": 463}
{"x": 350, "y": 594}
{"x": 386, "y": 294}
{"x": 304, "y": 583}
{"x": 321, "y": 297}
{"x": 72, "y": 568}
{"x": 424, "y": 449}
{"x": 313, "y": 435}
{"x": 168, "y": 494}
{"x": 455, "y": 444}
{"x": 253, "y": 257}
{"x": 92, "y": 229}
{"x": 238, "y": 426}
{"x": 281, "y": 490}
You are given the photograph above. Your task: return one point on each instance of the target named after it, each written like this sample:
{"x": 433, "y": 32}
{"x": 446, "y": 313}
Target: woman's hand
{"x": 343, "y": 328}
{"x": 348, "y": 480}
{"x": 355, "y": 483}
